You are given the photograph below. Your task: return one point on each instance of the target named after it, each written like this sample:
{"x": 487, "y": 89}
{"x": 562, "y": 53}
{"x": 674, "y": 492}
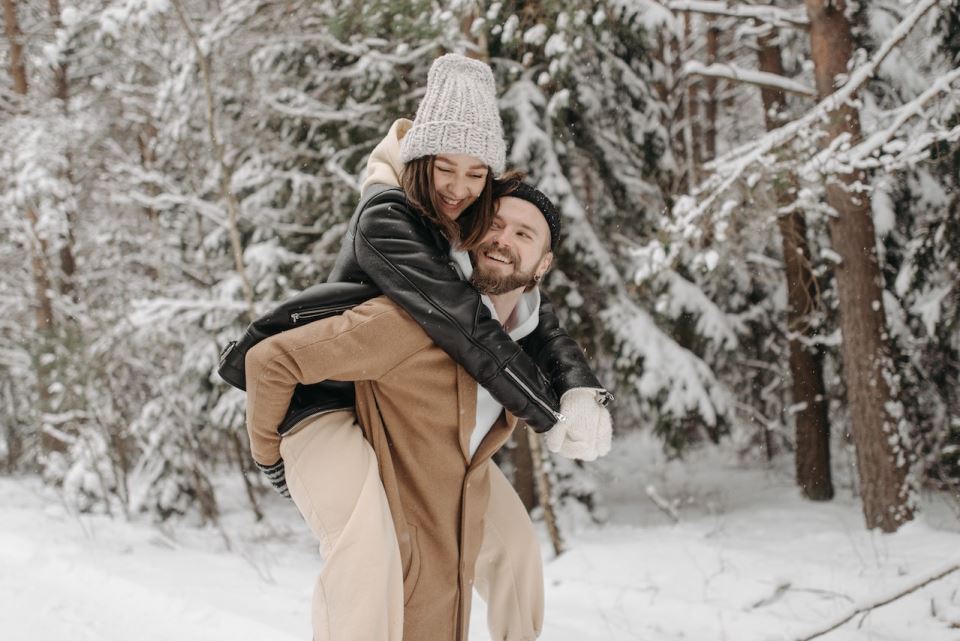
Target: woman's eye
{"x": 477, "y": 177}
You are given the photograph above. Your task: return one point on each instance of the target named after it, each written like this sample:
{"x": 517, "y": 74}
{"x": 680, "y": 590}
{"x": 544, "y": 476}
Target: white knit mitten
{"x": 587, "y": 430}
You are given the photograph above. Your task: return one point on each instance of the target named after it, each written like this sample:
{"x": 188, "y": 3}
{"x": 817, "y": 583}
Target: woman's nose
{"x": 459, "y": 188}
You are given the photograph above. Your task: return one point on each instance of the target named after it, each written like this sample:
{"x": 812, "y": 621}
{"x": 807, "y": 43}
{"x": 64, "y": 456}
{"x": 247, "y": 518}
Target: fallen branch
{"x": 663, "y": 504}
{"x": 778, "y": 593}
{"x": 865, "y": 608}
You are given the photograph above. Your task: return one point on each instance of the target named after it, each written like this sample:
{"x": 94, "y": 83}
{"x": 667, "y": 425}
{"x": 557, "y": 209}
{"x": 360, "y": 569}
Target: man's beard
{"x": 493, "y": 283}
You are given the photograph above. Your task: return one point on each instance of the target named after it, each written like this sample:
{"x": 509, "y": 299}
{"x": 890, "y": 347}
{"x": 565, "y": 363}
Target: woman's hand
{"x": 586, "y": 430}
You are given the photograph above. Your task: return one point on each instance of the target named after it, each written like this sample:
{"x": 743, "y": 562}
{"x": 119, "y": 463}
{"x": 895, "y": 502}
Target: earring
{"x": 536, "y": 278}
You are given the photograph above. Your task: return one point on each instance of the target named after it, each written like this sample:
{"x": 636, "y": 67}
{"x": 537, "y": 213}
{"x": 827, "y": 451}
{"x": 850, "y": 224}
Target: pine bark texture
{"x": 806, "y": 362}
{"x": 68, "y": 264}
{"x": 881, "y": 458}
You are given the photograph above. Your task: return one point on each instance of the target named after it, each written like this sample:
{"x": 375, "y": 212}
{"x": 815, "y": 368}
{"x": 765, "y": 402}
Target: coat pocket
{"x": 410, "y": 557}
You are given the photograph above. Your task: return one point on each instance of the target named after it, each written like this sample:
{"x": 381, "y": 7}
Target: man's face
{"x": 515, "y": 252}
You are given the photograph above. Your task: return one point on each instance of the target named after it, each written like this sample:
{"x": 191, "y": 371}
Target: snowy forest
{"x": 761, "y": 258}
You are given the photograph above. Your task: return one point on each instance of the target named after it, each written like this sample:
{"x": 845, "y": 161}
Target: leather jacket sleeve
{"x": 409, "y": 262}
{"x": 558, "y": 355}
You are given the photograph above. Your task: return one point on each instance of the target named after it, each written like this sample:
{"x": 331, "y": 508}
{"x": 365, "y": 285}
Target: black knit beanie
{"x": 529, "y": 193}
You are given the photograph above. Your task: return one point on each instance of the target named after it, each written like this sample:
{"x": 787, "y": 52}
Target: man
{"x": 433, "y": 431}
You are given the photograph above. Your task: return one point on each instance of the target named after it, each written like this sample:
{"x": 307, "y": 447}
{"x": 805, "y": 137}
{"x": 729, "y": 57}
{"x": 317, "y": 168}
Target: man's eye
{"x": 477, "y": 176}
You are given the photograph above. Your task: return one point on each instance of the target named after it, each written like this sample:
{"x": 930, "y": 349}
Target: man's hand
{"x": 587, "y": 431}
{"x": 276, "y": 474}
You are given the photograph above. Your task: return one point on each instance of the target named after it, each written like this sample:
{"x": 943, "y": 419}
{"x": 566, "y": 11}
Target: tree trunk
{"x": 226, "y": 170}
{"x": 881, "y": 458}
{"x": 713, "y": 47}
{"x": 43, "y": 309}
{"x": 18, "y": 71}
{"x": 806, "y": 362}
{"x": 545, "y": 491}
{"x": 68, "y": 265}
{"x": 693, "y": 136}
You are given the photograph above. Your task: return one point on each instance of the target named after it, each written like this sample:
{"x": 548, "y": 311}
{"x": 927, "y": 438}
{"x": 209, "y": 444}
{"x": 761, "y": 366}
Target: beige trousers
{"x": 334, "y": 481}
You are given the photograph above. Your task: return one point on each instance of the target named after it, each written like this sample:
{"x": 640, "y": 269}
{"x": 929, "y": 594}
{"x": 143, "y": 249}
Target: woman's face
{"x": 458, "y": 180}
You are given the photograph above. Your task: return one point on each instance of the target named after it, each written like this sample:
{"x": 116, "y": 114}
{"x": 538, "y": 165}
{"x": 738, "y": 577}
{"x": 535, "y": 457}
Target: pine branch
{"x": 748, "y": 76}
{"x": 903, "y": 114}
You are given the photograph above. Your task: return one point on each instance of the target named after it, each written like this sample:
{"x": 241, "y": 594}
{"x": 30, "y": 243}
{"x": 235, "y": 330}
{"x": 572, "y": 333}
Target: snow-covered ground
{"x": 749, "y": 560}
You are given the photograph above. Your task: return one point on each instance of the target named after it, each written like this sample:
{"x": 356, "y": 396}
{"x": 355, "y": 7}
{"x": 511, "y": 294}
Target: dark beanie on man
{"x": 529, "y": 193}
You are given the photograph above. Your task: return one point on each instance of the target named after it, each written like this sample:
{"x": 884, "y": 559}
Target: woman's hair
{"x": 468, "y": 229}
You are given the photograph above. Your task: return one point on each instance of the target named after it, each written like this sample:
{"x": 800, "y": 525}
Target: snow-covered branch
{"x": 749, "y": 76}
{"x": 732, "y": 165}
{"x": 906, "y": 112}
{"x": 776, "y": 16}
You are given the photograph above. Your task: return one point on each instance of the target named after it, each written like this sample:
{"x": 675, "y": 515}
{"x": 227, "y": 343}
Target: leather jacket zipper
{"x": 318, "y": 312}
{"x": 557, "y": 416}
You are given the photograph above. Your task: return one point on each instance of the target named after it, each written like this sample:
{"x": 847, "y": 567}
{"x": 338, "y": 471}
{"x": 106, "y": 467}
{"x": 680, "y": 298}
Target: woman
{"x": 452, "y": 151}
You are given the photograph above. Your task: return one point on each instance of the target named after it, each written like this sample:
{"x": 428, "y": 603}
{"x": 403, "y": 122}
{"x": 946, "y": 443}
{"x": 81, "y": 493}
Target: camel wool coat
{"x": 417, "y": 408}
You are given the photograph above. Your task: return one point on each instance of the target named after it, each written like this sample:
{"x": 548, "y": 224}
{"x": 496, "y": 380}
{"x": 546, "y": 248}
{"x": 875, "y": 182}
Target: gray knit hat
{"x": 458, "y": 114}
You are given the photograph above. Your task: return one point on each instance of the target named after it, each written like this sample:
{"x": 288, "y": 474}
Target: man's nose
{"x": 499, "y": 240}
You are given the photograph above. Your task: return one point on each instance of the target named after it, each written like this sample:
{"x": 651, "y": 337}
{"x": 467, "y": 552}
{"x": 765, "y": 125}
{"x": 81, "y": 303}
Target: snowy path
{"x": 749, "y": 561}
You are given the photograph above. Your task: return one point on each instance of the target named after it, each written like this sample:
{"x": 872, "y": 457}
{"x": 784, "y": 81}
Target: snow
{"x": 747, "y": 559}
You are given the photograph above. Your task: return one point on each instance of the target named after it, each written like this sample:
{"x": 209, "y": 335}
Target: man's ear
{"x": 544, "y": 265}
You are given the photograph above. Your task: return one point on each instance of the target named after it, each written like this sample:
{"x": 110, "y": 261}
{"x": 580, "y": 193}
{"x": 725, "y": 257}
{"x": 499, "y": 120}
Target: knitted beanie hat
{"x": 529, "y": 193}
{"x": 458, "y": 114}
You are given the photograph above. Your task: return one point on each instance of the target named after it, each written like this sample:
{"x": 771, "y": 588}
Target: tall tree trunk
{"x": 881, "y": 457}
{"x": 18, "y": 72}
{"x": 693, "y": 136}
{"x": 806, "y": 362}
{"x": 68, "y": 265}
{"x": 713, "y": 47}
{"x": 43, "y": 309}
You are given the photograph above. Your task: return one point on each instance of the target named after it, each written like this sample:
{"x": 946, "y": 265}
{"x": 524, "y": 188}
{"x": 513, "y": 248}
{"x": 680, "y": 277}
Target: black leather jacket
{"x": 390, "y": 248}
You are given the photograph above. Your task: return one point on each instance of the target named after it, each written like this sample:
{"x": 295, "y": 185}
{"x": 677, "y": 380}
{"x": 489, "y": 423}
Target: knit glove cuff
{"x": 277, "y": 476}
{"x": 587, "y": 429}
